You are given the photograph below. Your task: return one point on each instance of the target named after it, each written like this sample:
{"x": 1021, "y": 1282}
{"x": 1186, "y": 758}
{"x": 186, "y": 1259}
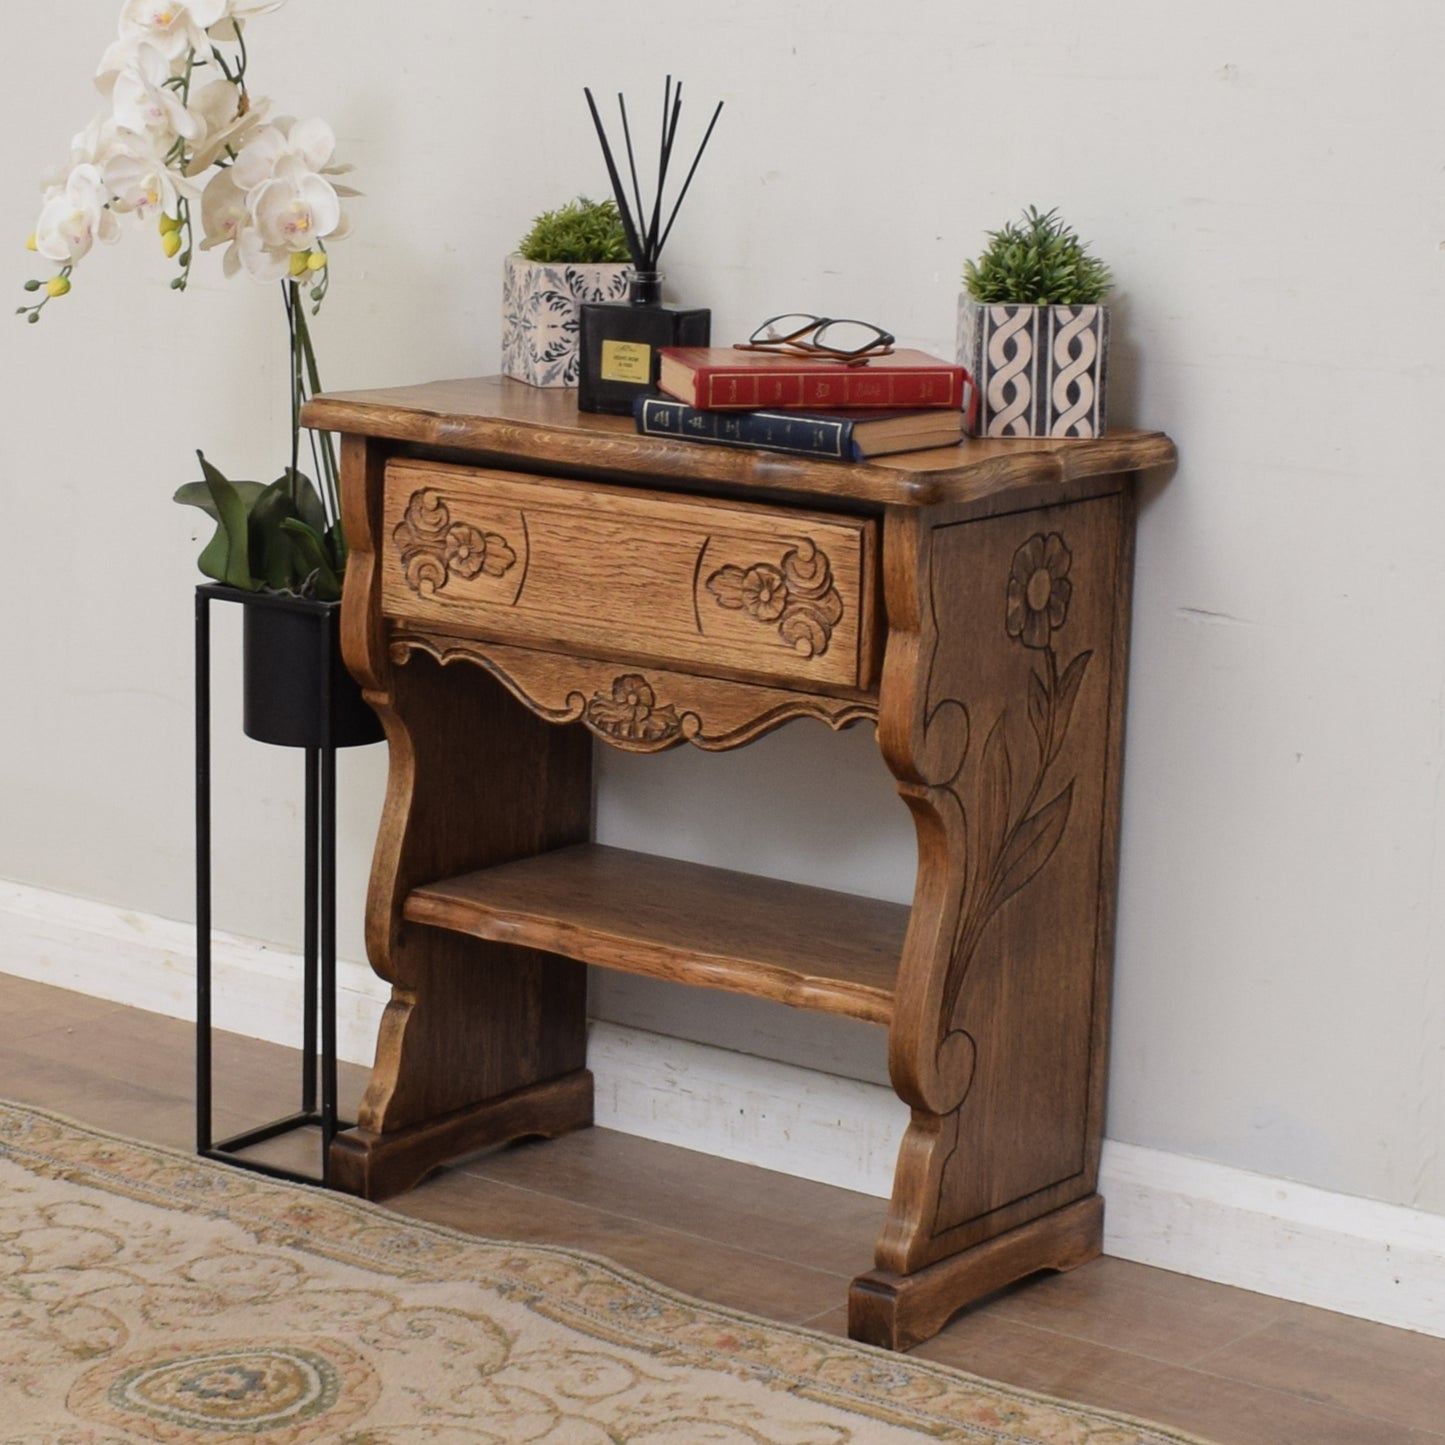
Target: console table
{"x": 524, "y": 578}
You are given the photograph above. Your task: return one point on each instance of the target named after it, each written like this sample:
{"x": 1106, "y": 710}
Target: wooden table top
{"x": 499, "y": 417}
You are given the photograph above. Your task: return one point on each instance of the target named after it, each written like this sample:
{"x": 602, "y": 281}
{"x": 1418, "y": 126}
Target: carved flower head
{"x": 633, "y": 696}
{"x": 1038, "y": 590}
{"x": 465, "y": 549}
{"x": 764, "y": 592}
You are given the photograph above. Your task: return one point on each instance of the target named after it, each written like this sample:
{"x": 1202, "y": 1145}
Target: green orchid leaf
{"x": 316, "y": 562}
{"x": 226, "y": 557}
{"x": 307, "y": 499}
{"x": 198, "y": 494}
{"x": 273, "y": 555}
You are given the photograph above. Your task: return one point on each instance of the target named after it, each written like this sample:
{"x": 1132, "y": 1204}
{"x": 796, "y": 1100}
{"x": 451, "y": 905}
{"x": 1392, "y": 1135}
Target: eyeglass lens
{"x": 849, "y": 336}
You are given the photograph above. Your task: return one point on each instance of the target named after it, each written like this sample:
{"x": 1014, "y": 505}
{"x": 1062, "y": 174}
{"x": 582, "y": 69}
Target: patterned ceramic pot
{"x": 539, "y": 314}
{"x": 1040, "y": 370}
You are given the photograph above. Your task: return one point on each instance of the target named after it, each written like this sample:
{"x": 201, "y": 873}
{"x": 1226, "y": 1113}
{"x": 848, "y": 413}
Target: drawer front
{"x": 701, "y": 584}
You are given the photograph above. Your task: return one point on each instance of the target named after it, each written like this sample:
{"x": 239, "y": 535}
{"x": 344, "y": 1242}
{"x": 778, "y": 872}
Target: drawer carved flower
{"x": 434, "y": 549}
{"x": 799, "y": 597}
{"x": 631, "y": 713}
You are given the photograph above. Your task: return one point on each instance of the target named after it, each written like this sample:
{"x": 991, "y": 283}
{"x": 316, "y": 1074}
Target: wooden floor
{"x": 1237, "y": 1368}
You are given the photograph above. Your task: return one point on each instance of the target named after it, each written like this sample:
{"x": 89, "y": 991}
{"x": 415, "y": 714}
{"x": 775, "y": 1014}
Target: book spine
{"x": 804, "y": 436}
{"x": 840, "y": 386}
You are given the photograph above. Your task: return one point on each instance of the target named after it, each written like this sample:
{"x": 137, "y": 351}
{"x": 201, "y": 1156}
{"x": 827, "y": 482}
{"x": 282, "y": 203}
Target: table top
{"x": 502, "y": 418}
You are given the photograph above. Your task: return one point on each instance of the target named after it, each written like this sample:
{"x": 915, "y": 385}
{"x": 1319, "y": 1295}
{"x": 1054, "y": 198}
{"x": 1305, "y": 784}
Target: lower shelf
{"x": 810, "y": 947}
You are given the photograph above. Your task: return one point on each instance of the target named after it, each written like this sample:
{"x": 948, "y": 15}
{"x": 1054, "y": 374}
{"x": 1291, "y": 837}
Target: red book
{"x": 721, "y": 378}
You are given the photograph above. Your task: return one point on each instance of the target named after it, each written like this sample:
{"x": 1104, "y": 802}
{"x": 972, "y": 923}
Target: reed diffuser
{"x": 618, "y": 344}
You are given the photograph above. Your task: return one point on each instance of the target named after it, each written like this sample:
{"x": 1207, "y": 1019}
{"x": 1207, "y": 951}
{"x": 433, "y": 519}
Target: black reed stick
{"x": 646, "y": 245}
{"x": 628, "y": 227}
{"x": 631, "y": 161}
{"x": 667, "y": 230}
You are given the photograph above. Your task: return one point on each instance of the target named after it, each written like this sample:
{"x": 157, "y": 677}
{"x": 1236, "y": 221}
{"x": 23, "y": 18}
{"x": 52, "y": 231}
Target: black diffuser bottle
{"x": 619, "y": 342}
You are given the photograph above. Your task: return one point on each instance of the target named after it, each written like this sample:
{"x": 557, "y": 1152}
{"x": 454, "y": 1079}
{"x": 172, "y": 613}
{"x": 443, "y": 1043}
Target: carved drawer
{"x": 701, "y": 585}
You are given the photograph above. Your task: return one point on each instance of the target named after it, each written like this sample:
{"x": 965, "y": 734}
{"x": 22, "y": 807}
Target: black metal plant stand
{"x": 297, "y": 694}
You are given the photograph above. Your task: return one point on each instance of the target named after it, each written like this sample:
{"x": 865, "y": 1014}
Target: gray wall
{"x": 1267, "y": 182}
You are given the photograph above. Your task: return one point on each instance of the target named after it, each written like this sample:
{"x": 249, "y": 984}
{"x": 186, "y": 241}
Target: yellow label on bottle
{"x": 626, "y": 361}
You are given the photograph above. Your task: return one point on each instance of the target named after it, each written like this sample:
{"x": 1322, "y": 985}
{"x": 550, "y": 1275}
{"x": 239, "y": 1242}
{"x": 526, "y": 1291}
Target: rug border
{"x": 258, "y": 1184}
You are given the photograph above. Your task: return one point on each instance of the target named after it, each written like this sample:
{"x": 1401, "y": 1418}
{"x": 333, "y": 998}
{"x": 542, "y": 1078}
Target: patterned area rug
{"x": 149, "y": 1296}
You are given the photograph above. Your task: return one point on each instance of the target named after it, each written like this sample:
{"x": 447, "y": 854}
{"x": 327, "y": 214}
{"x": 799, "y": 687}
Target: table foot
{"x": 898, "y": 1311}
{"x": 377, "y": 1166}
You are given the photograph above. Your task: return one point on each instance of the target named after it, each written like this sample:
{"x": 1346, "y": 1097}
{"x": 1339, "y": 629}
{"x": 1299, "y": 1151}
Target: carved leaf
{"x": 995, "y": 797}
{"x": 726, "y": 585}
{"x": 804, "y": 632}
{"x": 499, "y": 556}
{"x": 424, "y": 572}
{"x": 1033, "y": 843}
{"x": 808, "y": 571}
{"x": 1069, "y": 685}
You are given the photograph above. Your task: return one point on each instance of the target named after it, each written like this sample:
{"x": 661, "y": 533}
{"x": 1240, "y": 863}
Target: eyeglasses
{"x": 825, "y": 338}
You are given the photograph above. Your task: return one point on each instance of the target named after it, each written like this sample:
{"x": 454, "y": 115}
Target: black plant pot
{"x": 292, "y": 669}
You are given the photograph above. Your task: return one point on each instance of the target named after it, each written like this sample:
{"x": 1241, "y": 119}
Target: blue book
{"x": 845, "y": 436}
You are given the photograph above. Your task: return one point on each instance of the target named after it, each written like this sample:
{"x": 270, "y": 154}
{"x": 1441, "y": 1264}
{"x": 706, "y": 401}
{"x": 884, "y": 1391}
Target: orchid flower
{"x": 74, "y": 217}
{"x": 224, "y": 218}
{"x": 172, "y": 27}
{"x": 139, "y": 180}
{"x": 141, "y": 99}
{"x": 222, "y": 123}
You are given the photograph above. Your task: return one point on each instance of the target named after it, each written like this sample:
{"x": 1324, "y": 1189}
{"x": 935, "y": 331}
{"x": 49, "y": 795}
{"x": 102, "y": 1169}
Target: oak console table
{"x": 524, "y": 578}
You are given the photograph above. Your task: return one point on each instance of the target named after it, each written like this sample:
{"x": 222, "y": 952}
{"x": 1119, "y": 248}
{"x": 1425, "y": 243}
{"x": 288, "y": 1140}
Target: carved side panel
{"x": 1003, "y": 749}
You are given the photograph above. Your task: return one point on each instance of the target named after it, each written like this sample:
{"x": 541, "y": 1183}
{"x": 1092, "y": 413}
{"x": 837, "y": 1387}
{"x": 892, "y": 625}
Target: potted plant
{"x": 184, "y": 146}
{"x": 573, "y": 254}
{"x": 1032, "y": 331}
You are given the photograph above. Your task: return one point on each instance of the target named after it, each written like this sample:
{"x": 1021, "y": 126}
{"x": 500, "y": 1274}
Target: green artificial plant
{"x": 1038, "y": 261}
{"x": 581, "y": 231}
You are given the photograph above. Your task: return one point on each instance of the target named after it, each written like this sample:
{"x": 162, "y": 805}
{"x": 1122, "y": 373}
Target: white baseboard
{"x": 1378, "y": 1261}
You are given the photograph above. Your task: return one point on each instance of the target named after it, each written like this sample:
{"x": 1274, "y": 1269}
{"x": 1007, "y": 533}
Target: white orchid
{"x": 173, "y": 27}
{"x": 272, "y": 199}
{"x": 295, "y": 208}
{"x": 176, "y": 28}
{"x": 275, "y": 203}
{"x": 139, "y": 180}
{"x": 222, "y": 123}
{"x": 270, "y": 205}
{"x": 74, "y": 217}
{"x": 311, "y": 142}
{"x": 141, "y": 99}
{"x": 224, "y": 218}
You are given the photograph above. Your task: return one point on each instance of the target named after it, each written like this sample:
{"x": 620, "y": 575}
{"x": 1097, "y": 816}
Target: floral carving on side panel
{"x": 799, "y": 597}
{"x": 630, "y": 713}
{"x": 434, "y": 549}
{"x": 1019, "y": 824}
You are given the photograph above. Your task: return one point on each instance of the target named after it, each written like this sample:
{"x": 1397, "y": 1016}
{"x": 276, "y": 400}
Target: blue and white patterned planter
{"x": 539, "y": 314}
{"x": 1041, "y": 370}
